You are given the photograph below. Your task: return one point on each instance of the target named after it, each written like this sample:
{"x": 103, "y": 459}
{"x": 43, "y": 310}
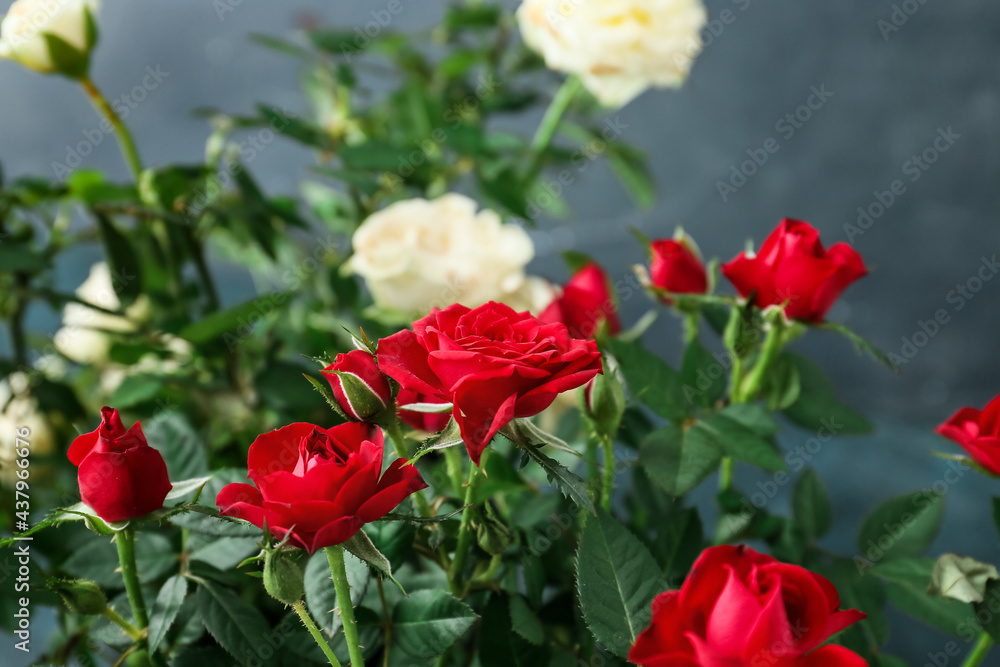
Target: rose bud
{"x": 316, "y": 487}
{"x": 283, "y": 577}
{"x": 586, "y": 303}
{"x": 50, "y": 37}
{"x": 431, "y": 422}
{"x": 603, "y": 401}
{"x": 739, "y": 607}
{"x": 121, "y": 476}
{"x": 676, "y": 266}
{"x": 359, "y": 386}
{"x": 82, "y": 596}
{"x": 792, "y": 266}
{"x": 491, "y": 363}
{"x": 978, "y": 432}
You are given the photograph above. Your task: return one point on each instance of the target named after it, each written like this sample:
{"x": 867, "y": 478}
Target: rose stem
{"x": 744, "y": 390}
{"x": 116, "y": 618}
{"x": 121, "y": 131}
{"x": 125, "y": 541}
{"x": 979, "y": 651}
{"x": 399, "y": 446}
{"x": 335, "y": 556}
{"x": 609, "y": 471}
{"x": 550, "y": 123}
{"x": 307, "y": 620}
{"x": 465, "y": 528}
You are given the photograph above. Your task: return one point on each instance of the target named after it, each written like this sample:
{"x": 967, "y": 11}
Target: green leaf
{"x": 20, "y": 257}
{"x": 136, "y": 389}
{"x": 651, "y": 380}
{"x": 429, "y": 621}
{"x": 236, "y": 624}
{"x": 617, "y": 580}
{"x": 811, "y": 506}
{"x": 182, "y": 448}
{"x": 679, "y": 542}
{"x": 394, "y": 539}
{"x": 472, "y": 16}
{"x": 524, "y": 621}
{"x": 678, "y": 459}
{"x": 361, "y": 546}
{"x": 902, "y": 527}
{"x": 752, "y": 416}
{"x": 703, "y": 377}
{"x": 567, "y": 482}
{"x": 986, "y": 610}
{"x": 781, "y": 386}
{"x": 321, "y": 596}
{"x": 740, "y": 442}
{"x": 225, "y": 321}
{"x": 168, "y": 603}
{"x": 860, "y": 344}
{"x": 907, "y": 582}
{"x": 817, "y": 407}
{"x": 123, "y": 261}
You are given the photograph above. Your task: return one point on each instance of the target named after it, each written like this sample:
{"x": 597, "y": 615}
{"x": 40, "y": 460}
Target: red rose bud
{"x": 793, "y": 266}
{"x": 491, "y": 363}
{"x": 604, "y": 403}
{"x": 359, "y": 386}
{"x": 431, "y": 422}
{"x": 586, "y": 301}
{"x": 741, "y": 608}
{"x": 676, "y": 266}
{"x": 316, "y": 486}
{"x": 120, "y": 475}
{"x": 978, "y": 432}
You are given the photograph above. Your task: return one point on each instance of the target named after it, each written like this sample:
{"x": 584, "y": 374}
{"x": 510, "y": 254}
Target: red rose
{"x": 978, "y": 432}
{"x": 321, "y": 485}
{"x": 491, "y": 363}
{"x": 739, "y": 608}
{"x": 120, "y": 475}
{"x": 361, "y": 390}
{"x": 586, "y": 301}
{"x": 793, "y": 266}
{"x": 676, "y": 268}
{"x": 432, "y": 422}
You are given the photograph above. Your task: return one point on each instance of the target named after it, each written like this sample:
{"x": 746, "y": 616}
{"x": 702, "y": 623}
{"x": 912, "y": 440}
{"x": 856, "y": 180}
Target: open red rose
{"x": 676, "y": 268}
{"x": 321, "y": 485}
{"x": 492, "y": 363}
{"x": 120, "y": 475}
{"x": 432, "y": 422}
{"x": 978, "y": 432}
{"x": 793, "y": 266}
{"x": 586, "y": 301}
{"x": 361, "y": 390}
{"x": 739, "y": 608}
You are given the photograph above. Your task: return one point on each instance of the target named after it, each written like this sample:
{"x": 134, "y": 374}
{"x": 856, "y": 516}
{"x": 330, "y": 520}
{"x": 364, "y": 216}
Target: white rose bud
{"x": 416, "y": 255}
{"x": 50, "y": 35}
{"x": 617, "y": 48}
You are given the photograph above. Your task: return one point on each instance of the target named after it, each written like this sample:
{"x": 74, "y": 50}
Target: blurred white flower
{"x": 82, "y": 336}
{"x": 617, "y": 48}
{"x": 30, "y": 27}
{"x": 534, "y": 295}
{"x": 416, "y": 255}
{"x": 17, "y": 411}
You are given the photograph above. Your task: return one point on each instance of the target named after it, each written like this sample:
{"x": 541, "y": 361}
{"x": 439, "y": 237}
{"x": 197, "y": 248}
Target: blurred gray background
{"x": 893, "y": 89}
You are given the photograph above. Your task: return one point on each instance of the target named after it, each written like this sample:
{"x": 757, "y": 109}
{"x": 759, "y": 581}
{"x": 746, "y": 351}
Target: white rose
{"x": 617, "y": 48}
{"x": 534, "y": 295}
{"x": 417, "y": 254}
{"x": 82, "y": 337}
{"x": 23, "y": 33}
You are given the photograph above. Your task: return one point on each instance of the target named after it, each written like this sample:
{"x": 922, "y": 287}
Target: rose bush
{"x": 316, "y": 486}
{"x": 491, "y": 363}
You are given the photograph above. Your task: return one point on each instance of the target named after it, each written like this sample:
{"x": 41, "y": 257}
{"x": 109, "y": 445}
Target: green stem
{"x": 609, "y": 471}
{"x": 691, "y": 322}
{"x": 121, "y": 131}
{"x": 335, "y": 557}
{"x": 307, "y": 620}
{"x": 753, "y": 381}
{"x": 465, "y": 529}
{"x": 453, "y": 463}
{"x": 125, "y": 541}
{"x": 979, "y": 651}
{"x": 133, "y": 632}
{"x": 550, "y": 123}
{"x": 726, "y": 473}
